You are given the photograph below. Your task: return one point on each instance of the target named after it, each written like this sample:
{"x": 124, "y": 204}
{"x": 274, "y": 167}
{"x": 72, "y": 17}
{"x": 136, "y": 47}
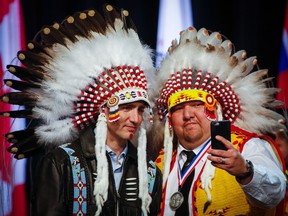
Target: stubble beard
{"x": 192, "y": 138}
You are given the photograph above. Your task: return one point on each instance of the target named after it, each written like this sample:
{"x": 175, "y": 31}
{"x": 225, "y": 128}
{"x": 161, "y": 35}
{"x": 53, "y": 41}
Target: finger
{"x": 217, "y": 159}
{"x": 217, "y": 153}
{"x": 226, "y": 142}
{"x": 223, "y": 160}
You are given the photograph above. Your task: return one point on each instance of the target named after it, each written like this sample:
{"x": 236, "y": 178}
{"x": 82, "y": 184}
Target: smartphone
{"x": 223, "y": 129}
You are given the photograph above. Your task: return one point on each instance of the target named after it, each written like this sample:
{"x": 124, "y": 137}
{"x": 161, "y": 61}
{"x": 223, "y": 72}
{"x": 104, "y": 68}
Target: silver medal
{"x": 176, "y": 200}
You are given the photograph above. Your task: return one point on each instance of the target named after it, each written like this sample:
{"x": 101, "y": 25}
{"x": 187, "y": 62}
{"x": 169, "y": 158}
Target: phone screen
{"x": 221, "y": 128}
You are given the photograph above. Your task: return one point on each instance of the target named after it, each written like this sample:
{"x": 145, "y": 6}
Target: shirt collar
{"x": 123, "y": 153}
{"x": 196, "y": 150}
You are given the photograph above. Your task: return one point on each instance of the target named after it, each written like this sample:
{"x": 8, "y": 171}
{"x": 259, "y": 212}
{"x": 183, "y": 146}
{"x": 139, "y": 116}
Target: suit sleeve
{"x": 50, "y": 195}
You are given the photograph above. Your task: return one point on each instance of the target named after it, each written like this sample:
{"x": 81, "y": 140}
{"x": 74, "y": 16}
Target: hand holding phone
{"x": 221, "y": 128}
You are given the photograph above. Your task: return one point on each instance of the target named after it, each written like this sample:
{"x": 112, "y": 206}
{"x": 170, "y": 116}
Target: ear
{"x": 104, "y": 109}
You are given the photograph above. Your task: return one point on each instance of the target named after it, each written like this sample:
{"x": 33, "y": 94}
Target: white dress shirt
{"x": 117, "y": 164}
{"x": 267, "y": 187}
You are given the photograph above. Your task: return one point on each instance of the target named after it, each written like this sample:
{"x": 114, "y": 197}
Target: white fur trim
{"x": 168, "y": 149}
{"x": 102, "y": 180}
{"x": 206, "y": 179}
{"x": 142, "y": 172}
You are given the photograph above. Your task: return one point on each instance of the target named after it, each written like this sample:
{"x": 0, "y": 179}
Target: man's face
{"x": 190, "y": 124}
{"x": 131, "y": 117}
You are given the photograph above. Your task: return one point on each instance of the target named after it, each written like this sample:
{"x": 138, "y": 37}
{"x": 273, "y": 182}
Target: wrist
{"x": 250, "y": 171}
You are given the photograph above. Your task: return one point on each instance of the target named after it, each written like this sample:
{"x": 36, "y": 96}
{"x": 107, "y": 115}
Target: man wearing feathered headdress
{"x": 200, "y": 81}
{"x": 85, "y": 80}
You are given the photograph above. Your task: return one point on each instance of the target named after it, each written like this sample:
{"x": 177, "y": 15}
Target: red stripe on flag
{"x": 5, "y": 161}
{"x": 12, "y": 173}
{"x": 19, "y": 203}
{"x": 283, "y": 84}
{"x": 4, "y": 8}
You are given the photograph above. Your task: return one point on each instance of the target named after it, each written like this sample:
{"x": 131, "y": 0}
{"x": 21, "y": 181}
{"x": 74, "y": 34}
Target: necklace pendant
{"x": 176, "y": 200}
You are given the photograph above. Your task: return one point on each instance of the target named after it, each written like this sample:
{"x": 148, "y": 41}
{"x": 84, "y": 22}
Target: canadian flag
{"x": 12, "y": 172}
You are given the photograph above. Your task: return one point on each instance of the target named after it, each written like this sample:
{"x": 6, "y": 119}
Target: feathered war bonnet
{"x": 71, "y": 70}
{"x": 202, "y": 67}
